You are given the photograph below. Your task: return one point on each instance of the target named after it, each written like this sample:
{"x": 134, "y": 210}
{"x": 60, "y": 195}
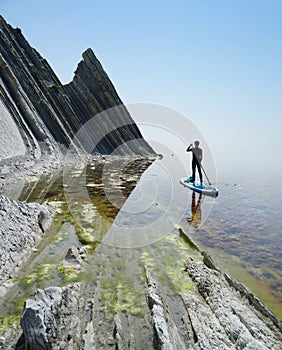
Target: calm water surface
{"x": 127, "y": 214}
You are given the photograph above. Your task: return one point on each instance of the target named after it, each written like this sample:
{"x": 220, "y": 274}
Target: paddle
{"x": 206, "y": 174}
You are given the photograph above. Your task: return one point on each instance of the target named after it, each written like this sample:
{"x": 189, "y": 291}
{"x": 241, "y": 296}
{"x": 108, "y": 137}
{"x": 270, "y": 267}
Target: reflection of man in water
{"x": 196, "y": 212}
{"x": 196, "y": 160}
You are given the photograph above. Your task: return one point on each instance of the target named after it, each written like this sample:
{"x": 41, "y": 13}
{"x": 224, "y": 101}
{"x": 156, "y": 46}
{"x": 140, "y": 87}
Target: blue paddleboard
{"x": 207, "y": 190}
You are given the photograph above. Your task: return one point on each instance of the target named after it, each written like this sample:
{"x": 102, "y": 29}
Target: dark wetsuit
{"x": 196, "y": 161}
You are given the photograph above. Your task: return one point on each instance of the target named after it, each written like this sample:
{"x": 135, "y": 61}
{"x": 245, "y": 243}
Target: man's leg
{"x": 200, "y": 172}
{"x": 193, "y": 171}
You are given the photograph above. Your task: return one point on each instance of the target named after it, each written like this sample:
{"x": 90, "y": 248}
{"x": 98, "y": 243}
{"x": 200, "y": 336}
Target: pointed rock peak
{"x": 90, "y": 59}
{"x": 91, "y": 72}
{"x": 89, "y": 54}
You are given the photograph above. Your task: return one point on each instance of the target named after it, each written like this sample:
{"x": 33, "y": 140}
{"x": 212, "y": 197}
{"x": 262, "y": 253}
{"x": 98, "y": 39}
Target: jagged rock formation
{"x": 21, "y": 229}
{"x": 219, "y": 314}
{"x": 42, "y": 115}
{"x": 233, "y": 317}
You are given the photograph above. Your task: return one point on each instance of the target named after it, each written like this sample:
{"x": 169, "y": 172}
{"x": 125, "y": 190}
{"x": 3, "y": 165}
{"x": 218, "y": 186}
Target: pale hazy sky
{"x": 218, "y": 62}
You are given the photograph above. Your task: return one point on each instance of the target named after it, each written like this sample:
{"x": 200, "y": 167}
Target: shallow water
{"x": 127, "y": 214}
{"x": 243, "y": 233}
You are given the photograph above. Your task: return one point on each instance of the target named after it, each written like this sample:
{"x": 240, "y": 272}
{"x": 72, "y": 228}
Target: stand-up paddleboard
{"x": 207, "y": 190}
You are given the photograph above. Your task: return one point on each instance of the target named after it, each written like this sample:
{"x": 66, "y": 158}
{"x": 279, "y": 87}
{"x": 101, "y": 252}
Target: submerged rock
{"x": 216, "y": 315}
{"x": 74, "y": 260}
{"x": 73, "y": 317}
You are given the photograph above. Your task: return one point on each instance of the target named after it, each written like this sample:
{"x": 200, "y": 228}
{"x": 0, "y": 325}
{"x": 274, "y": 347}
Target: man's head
{"x": 197, "y": 143}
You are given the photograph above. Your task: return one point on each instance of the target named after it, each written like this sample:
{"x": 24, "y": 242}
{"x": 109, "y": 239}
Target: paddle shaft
{"x": 205, "y": 174}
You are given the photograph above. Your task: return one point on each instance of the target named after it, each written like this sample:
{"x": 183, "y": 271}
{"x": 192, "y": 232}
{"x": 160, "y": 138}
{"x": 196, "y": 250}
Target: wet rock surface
{"x": 168, "y": 333}
{"x": 73, "y": 317}
{"x": 21, "y": 229}
{"x": 74, "y": 258}
{"x": 223, "y": 316}
{"x": 218, "y": 314}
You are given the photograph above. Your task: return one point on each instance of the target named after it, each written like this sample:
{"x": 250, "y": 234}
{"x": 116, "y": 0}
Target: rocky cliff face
{"x": 42, "y": 115}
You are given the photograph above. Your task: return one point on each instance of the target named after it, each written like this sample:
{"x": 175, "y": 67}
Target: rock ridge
{"x": 215, "y": 315}
{"x": 47, "y": 114}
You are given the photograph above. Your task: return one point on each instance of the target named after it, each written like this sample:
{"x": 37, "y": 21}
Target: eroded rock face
{"x": 48, "y": 114}
{"x": 73, "y": 317}
{"x": 21, "y": 229}
{"x": 218, "y": 316}
{"x": 11, "y": 144}
{"x": 223, "y": 315}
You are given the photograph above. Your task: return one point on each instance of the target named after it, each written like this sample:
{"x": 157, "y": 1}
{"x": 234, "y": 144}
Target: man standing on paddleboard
{"x": 196, "y": 160}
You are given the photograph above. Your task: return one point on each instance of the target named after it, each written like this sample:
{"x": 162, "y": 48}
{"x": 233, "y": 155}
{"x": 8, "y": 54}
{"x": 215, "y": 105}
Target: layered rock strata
{"x": 219, "y": 314}
{"x": 42, "y": 115}
{"x": 21, "y": 229}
